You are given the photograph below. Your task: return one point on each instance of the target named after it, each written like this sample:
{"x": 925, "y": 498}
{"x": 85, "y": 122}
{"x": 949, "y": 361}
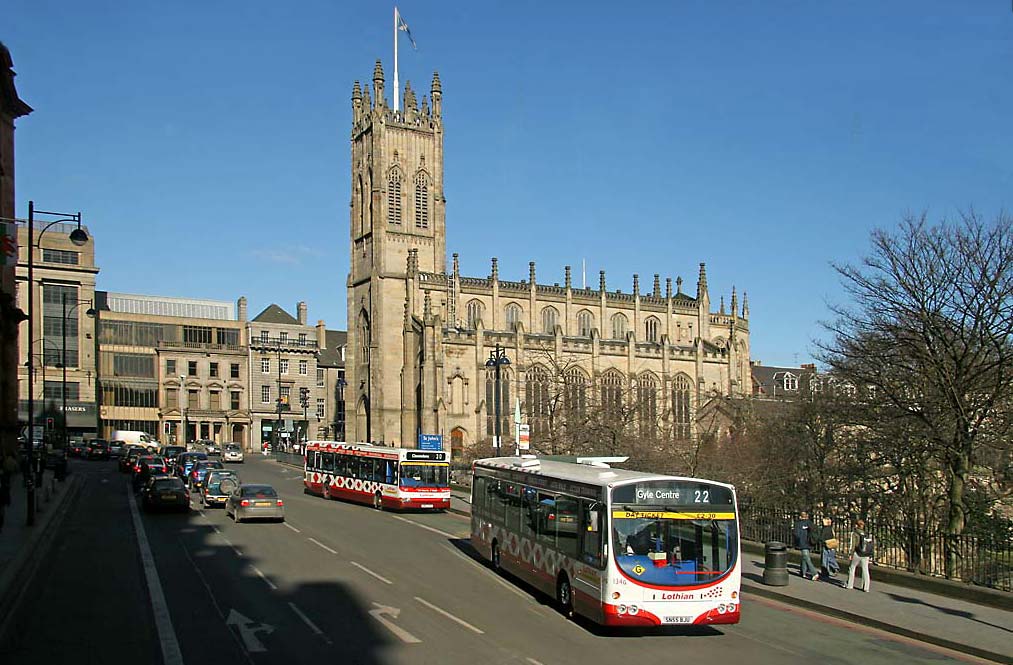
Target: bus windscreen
{"x": 415, "y": 474}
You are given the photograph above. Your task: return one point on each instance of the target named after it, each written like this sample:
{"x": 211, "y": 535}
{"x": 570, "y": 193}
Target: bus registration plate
{"x": 427, "y": 505}
{"x": 688, "y": 619}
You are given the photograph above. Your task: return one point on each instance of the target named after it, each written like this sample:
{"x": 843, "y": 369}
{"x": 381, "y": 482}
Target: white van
{"x": 122, "y": 437}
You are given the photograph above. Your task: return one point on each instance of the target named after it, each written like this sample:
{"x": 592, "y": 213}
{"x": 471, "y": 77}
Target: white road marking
{"x": 264, "y": 577}
{"x": 248, "y": 631}
{"x": 382, "y": 612}
{"x": 532, "y": 661}
{"x": 320, "y": 544}
{"x": 514, "y": 590}
{"x": 171, "y": 654}
{"x": 450, "y": 616}
{"x": 309, "y": 623}
{"x": 291, "y": 527}
{"x": 424, "y": 526}
{"x": 370, "y": 572}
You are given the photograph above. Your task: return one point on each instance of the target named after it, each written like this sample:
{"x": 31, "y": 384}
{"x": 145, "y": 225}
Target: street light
{"x": 497, "y": 359}
{"x": 79, "y": 237}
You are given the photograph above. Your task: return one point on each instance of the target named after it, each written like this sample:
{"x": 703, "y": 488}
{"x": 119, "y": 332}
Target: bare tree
{"x": 929, "y": 330}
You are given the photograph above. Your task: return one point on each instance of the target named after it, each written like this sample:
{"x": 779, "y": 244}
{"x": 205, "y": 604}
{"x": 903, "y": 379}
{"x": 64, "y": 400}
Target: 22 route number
{"x": 701, "y": 496}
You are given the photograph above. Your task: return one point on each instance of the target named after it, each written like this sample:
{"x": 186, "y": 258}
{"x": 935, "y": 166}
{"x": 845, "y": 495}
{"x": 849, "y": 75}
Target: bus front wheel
{"x": 564, "y": 595}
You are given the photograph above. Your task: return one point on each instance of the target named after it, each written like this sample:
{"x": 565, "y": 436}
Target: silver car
{"x": 233, "y": 453}
{"x": 255, "y": 502}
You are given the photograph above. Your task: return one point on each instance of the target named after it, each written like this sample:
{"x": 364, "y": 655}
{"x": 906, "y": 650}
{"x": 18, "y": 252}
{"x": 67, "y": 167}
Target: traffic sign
{"x": 430, "y": 442}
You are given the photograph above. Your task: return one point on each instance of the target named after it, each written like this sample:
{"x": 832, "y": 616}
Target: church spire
{"x": 378, "y": 84}
{"x": 436, "y": 92}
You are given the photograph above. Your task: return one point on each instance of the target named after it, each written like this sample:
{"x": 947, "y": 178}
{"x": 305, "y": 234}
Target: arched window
{"x": 585, "y": 322}
{"x": 575, "y": 394}
{"x": 619, "y": 326}
{"x": 474, "y": 313}
{"x": 364, "y": 334}
{"x": 651, "y": 329}
{"x": 647, "y": 405}
{"x": 394, "y": 197}
{"x": 612, "y": 391}
{"x": 537, "y": 400}
{"x": 362, "y": 207}
{"x": 421, "y": 201}
{"x": 513, "y": 316}
{"x": 549, "y": 317}
{"x": 505, "y": 412}
{"x": 681, "y": 410}
{"x": 790, "y": 381}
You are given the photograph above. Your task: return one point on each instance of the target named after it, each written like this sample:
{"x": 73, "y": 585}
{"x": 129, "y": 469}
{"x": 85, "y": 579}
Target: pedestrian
{"x": 828, "y": 559}
{"x": 805, "y": 538}
{"x": 862, "y": 548}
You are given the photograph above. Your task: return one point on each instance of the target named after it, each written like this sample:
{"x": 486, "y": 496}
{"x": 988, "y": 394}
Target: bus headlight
{"x": 633, "y": 610}
{"x": 731, "y": 607}
{"x": 721, "y": 608}
{"x": 621, "y": 609}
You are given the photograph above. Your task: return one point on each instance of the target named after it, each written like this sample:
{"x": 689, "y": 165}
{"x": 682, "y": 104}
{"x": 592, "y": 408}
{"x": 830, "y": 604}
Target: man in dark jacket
{"x": 804, "y": 539}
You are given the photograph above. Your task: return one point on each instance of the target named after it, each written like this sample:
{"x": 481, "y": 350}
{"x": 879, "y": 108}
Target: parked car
{"x": 165, "y": 492}
{"x": 218, "y": 485}
{"x": 255, "y": 502}
{"x": 199, "y": 471}
{"x": 98, "y": 449}
{"x": 233, "y": 452}
{"x": 186, "y": 461}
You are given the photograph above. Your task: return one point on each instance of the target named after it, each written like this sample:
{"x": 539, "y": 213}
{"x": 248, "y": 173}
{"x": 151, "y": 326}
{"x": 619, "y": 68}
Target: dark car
{"x": 197, "y": 474}
{"x": 97, "y": 449}
{"x": 254, "y": 502}
{"x": 77, "y": 449}
{"x": 170, "y": 453}
{"x": 218, "y": 485}
{"x": 147, "y": 467}
{"x": 185, "y": 462}
{"x": 165, "y": 492}
{"x": 129, "y": 458}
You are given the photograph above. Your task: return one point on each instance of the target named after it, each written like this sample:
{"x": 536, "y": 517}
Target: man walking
{"x": 862, "y": 549}
{"x": 804, "y": 539}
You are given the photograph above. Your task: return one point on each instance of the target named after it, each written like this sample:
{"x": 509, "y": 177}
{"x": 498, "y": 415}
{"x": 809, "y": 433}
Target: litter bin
{"x": 775, "y": 564}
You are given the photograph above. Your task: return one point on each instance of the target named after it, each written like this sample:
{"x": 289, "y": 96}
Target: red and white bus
{"x": 384, "y": 477}
{"x": 622, "y": 548}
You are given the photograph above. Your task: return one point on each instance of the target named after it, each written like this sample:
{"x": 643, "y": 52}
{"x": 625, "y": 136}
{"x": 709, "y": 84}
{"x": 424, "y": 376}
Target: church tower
{"x": 397, "y": 211}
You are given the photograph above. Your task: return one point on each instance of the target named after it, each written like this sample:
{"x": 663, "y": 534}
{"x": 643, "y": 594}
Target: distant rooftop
{"x": 129, "y": 303}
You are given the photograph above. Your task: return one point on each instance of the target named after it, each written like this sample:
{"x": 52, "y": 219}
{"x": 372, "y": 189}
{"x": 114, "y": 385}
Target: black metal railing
{"x": 968, "y": 558}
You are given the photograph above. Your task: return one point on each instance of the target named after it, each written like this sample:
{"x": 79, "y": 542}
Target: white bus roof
{"x": 333, "y": 446}
{"x": 580, "y": 473}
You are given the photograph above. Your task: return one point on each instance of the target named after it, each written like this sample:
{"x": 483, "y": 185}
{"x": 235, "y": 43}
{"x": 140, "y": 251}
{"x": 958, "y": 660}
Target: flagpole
{"x": 396, "y": 85}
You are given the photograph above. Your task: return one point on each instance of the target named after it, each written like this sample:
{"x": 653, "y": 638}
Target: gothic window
{"x": 612, "y": 391}
{"x": 585, "y": 322}
{"x": 790, "y": 381}
{"x": 362, "y": 207}
{"x": 537, "y": 398}
{"x": 681, "y": 413}
{"x": 474, "y": 313}
{"x": 505, "y": 412}
{"x": 647, "y": 405}
{"x": 575, "y": 393}
{"x": 421, "y": 201}
{"x": 364, "y": 341}
{"x": 549, "y": 317}
{"x": 513, "y": 316}
{"x": 619, "y": 326}
{"x": 651, "y": 329}
{"x": 394, "y": 197}
{"x": 815, "y": 384}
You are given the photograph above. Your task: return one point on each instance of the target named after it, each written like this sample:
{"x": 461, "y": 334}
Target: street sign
{"x": 38, "y": 431}
{"x": 430, "y": 442}
{"x": 524, "y": 436}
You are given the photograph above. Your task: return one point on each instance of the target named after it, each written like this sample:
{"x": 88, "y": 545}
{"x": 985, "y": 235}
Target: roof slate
{"x": 275, "y": 314}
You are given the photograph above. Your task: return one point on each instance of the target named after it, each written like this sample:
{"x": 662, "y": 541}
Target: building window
{"x": 537, "y": 398}
{"x": 320, "y": 377}
{"x": 612, "y": 391}
{"x": 304, "y": 367}
{"x": 474, "y": 313}
{"x": 320, "y": 407}
{"x": 421, "y": 201}
{"x": 265, "y": 365}
{"x": 234, "y": 371}
{"x": 227, "y": 337}
{"x": 264, "y": 337}
{"x": 130, "y": 393}
{"x": 136, "y": 365}
{"x": 265, "y": 394}
{"x": 549, "y": 317}
{"x": 216, "y": 400}
{"x": 170, "y": 368}
{"x": 61, "y": 256}
{"x": 234, "y": 400}
{"x": 53, "y": 298}
{"x": 283, "y": 337}
{"x": 171, "y": 398}
{"x": 285, "y": 395}
{"x": 54, "y": 390}
{"x": 585, "y": 323}
{"x": 394, "y": 197}
{"x": 302, "y": 339}
{"x": 575, "y": 394}
{"x": 651, "y": 329}
{"x": 283, "y": 365}
{"x": 191, "y": 368}
{"x": 619, "y": 326}
{"x": 681, "y": 414}
{"x": 647, "y": 406}
{"x": 790, "y": 381}
{"x": 193, "y": 399}
{"x": 505, "y": 412}
{"x": 213, "y": 370}
{"x": 513, "y": 316}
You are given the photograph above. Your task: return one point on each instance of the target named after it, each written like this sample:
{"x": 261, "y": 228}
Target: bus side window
{"x": 390, "y": 472}
{"x": 529, "y": 512}
{"x": 328, "y": 462}
{"x": 495, "y": 506}
{"x": 511, "y": 505}
{"x": 591, "y": 518}
{"x": 478, "y": 494}
{"x": 545, "y": 520}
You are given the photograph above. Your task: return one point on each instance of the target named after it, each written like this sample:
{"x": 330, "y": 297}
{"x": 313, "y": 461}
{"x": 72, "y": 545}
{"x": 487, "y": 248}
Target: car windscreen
{"x": 167, "y": 484}
{"x": 259, "y": 492}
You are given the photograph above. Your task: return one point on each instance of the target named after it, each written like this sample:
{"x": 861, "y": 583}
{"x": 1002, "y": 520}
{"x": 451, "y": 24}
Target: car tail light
{"x": 552, "y": 516}
{"x": 280, "y": 502}
{"x": 244, "y": 502}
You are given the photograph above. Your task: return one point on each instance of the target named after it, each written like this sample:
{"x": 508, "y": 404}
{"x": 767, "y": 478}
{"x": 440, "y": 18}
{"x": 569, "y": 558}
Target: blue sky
{"x": 207, "y": 143}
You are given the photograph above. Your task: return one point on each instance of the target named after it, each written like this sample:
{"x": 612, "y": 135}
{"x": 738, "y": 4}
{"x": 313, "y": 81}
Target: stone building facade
{"x": 331, "y": 383}
{"x": 420, "y": 335}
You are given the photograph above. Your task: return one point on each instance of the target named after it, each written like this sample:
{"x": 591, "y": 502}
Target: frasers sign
{"x": 652, "y": 494}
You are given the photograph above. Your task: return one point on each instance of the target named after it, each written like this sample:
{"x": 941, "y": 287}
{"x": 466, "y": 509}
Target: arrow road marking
{"x": 449, "y": 615}
{"x": 248, "y": 631}
{"x": 382, "y": 612}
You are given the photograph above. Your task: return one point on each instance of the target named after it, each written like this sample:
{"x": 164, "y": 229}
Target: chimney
{"x": 241, "y": 308}
{"x": 301, "y": 308}
{"x": 321, "y": 335}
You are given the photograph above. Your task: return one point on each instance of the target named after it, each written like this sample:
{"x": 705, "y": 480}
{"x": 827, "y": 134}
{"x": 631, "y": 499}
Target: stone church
{"x": 422, "y": 338}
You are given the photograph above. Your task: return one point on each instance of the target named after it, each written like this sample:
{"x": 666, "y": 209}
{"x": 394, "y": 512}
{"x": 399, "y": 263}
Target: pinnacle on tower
{"x": 567, "y": 280}
{"x": 678, "y": 285}
{"x": 745, "y": 305}
{"x": 495, "y": 268}
{"x": 356, "y": 92}
{"x": 601, "y": 281}
{"x": 378, "y": 84}
{"x": 668, "y": 287}
{"x": 436, "y": 93}
{"x": 722, "y": 310}
{"x": 735, "y": 303}
{"x": 457, "y": 266}
{"x": 378, "y": 71}
{"x": 657, "y": 286}
{"x": 531, "y": 272}
{"x": 636, "y": 284}
{"x": 436, "y": 87}
{"x": 701, "y": 282}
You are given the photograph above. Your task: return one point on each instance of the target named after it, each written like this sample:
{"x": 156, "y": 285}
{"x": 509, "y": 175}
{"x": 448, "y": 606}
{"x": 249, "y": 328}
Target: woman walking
{"x": 828, "y": 558}
{"x": 861, "y": 553}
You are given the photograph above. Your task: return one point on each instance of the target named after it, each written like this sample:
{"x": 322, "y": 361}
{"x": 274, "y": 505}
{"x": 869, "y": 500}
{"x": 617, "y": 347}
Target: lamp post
{"x": 277, "y": 424}
{"x": 497, "y": 359}
{"x": 63, "y": 355}
{"x": 182, "y": 408}
{"x": 79, "y": 237}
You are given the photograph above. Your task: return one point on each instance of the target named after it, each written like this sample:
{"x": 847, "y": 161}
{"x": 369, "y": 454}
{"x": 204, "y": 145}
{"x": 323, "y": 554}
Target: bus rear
{"x": 673, "y": 555}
